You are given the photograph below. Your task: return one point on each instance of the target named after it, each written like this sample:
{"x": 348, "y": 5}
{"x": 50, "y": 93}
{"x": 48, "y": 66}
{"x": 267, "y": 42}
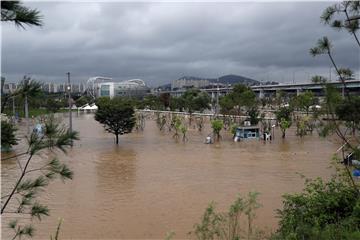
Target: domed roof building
{"x": 102, "y": 87}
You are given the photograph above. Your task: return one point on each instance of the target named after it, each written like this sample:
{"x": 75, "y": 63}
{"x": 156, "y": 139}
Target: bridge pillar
{"x": 261, "y": 93}
{"x": 298, "y": 91}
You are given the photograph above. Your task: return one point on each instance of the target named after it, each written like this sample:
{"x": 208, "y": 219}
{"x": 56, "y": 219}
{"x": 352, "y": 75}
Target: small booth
{"x": 248, "y": 132}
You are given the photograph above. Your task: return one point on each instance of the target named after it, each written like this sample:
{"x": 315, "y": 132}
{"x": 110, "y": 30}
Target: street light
{"x": 295, "y": 71}
{"x": 70, "y": 105}
{"x": 273, "y": 131}
{"x": 217, "y": 97}
{"x": 294, "y": 76}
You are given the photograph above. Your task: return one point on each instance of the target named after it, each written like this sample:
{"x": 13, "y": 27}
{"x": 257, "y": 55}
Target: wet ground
{"x": 151, "y": 184}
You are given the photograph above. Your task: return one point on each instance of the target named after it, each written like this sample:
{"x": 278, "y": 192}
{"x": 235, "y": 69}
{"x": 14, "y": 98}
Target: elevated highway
{"x": 262, "y": 91}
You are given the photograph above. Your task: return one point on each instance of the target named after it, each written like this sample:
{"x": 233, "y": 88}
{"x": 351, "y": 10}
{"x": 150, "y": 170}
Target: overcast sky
{"x": 160, "y": 42}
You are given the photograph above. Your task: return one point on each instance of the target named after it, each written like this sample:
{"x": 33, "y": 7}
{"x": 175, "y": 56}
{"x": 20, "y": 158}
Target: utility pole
{"x": 217, "y": 97}
{"x": 70, "y": 105}
{"x": 293, "y": 77}
{"x": 13, "y": 106}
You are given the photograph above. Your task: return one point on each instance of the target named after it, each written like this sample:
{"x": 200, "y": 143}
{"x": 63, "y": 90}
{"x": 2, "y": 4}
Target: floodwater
{"x": 151, "y": 184}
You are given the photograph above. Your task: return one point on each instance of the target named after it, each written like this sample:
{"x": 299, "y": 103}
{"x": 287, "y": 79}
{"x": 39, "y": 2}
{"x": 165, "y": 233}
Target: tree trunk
{"x": 283, "y": 133}
{"x": 27, "y": 113}
{"x": 3, "y": 103}
{"x": 117, "y": 138}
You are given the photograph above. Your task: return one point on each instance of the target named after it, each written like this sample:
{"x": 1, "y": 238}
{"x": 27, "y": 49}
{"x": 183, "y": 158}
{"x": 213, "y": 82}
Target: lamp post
{"x": 13, "y": 106}
{"x": 294, "y": 76}
{"x": 273, "y": 131}
{"x": 217, "y": 97}
{"x": 70, "y": 105}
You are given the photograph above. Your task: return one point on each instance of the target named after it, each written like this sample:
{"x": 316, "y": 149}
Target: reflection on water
{"x": 116, "y": 171}
{"x": 152, "y": 184}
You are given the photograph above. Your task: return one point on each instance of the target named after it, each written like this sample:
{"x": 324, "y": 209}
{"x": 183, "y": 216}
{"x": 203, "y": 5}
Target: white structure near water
{"x": 105, "y": 87}
{"x": 88, "y": 108}
{"x": 130, "y": 88}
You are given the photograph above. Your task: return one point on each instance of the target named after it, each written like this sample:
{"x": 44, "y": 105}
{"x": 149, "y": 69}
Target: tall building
{"x": 92, "y": 85}
{"x": 61, "y": 87}
{"x": 186, "y": 82}
{"x": 9, "y": 87}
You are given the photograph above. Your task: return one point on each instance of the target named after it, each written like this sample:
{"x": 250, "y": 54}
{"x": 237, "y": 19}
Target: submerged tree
{"x": 241, "y": 97}
{"x": 117, "y": 115}
{"x": 283, "y": 116}
{"x": 253, "y": 113}
{"x": 139, "y": 121}
{"x": 200, "y": 123}
{"x": 183, "y": 130}
{"x": 27, "y": 89}
{"x": 305, "y": 100}
{"x": 195, "y": 100}
{"x": 217, "y": 125}
{"x": 176, "y": 122}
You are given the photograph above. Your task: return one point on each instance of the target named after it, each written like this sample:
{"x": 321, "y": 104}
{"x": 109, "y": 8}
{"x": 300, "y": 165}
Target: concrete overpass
{"x": 262, "y": 91}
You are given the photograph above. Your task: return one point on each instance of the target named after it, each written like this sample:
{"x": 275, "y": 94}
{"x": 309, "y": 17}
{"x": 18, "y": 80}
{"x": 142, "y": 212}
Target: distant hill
{"x": 234, "y": 79}
{"x": 227, "y": 79}
{"x": 195, "y": 78}
{"x": 165, "y": 86}
{"x": 230, "y": 79}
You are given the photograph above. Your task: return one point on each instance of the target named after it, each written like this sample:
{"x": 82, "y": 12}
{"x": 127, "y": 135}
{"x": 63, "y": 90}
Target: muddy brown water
{"x": 151, "y": 184}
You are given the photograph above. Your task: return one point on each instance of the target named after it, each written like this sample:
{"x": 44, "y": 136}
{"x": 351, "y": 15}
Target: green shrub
{"x": 324, "y": 210}
{"x": 217, "y": 125}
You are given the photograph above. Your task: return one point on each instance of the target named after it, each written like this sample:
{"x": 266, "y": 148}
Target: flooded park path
{"x": 150, "y": 184}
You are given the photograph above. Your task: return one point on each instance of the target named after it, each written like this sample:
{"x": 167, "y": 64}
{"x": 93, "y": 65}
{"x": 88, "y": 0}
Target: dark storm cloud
{"x": 159, "y": 42}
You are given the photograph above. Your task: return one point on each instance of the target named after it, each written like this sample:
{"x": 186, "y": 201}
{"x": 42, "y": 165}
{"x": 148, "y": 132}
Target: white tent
{"x": 93, "y": 107}
{"x": 88, "y": 107}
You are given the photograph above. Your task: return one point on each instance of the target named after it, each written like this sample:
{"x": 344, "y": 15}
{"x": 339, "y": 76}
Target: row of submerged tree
{"x": 239, "y": 105}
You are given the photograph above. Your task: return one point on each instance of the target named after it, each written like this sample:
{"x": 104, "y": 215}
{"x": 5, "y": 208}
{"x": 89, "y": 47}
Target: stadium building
{"x": 102, "y": 87}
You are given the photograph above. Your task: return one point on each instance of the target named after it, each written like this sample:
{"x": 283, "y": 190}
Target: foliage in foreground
{"x": 228, "y": 226}
{"x": 20, "y": 15}
{"x": 22, "y": 197}
{"x": 8, "y": 138}
{"x": 324, "y": 210}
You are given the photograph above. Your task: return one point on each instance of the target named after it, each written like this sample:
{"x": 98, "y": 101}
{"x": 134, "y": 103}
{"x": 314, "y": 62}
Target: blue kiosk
{"x": 248, "y": 132}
